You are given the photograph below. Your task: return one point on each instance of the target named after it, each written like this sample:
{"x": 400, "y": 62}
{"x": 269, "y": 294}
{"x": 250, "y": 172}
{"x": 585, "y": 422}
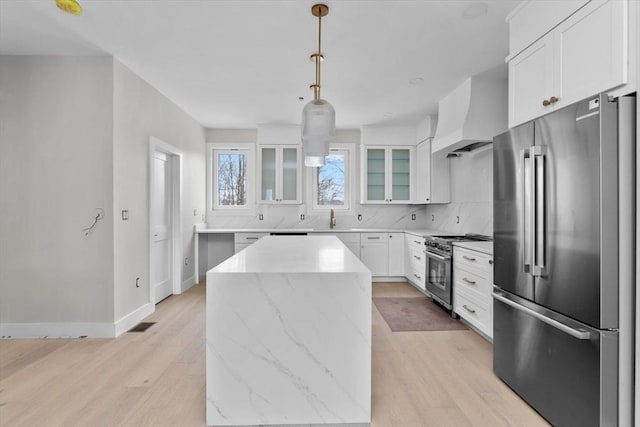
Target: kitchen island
{"x": 289, "y": 335}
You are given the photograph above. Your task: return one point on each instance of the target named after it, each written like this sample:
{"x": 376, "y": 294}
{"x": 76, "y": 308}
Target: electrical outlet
{"x": 125, "y": 215}
{"x": 260, "y": 217}
{"x": 137, "y": 282}
{"x": 413, "y": 217}
{"x": 433, "y": 217}
{"x": 359, "y": 217}
{"x": 301, "y": 217}
{"x": 186, "y": 261}
{"x": 457, "y": 220}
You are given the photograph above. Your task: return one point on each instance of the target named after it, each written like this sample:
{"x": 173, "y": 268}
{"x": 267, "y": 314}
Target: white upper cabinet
{"x": 432, "y": 170}
{"x": 432, "y": 175}
{"x": 387, "y": 174}
{"x": 531, "y": 77}
{"x": 279, "y": 178}
{"x": 387, "y": 164}
{"x": 582, "y": 55}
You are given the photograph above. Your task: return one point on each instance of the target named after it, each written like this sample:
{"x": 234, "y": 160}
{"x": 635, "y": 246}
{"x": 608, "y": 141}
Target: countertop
{"x": 417, "y": 232}
{"x": 484, "y": 247}
{"x": 304, "y": 254}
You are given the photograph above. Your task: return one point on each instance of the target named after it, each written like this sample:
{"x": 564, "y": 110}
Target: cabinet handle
{"x": 546, "y": 103}
{"x": 470, "y": 310}
{"x": 251, "y": 238}
{"x": 417, "y": 257}
{"x": 553, "y": 100}
{"x": 418, "y": 242}
{"x": 490, "y": 262}
{"x": 468, "y": 258}
{"x": 471, "y": 282}
{"x": 427, "y": 199}
{"x": 418, "y": 277}
{"x": 372, "y": 238}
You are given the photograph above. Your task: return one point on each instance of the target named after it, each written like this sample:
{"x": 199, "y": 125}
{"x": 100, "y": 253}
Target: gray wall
{"x": 74, "y": 137}
{"x": 56, "y": 168}
{"x": 140, "y": 111}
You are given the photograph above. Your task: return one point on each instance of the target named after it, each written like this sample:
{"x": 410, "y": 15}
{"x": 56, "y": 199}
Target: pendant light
{"x": 318, "y": 116}
{"x": 70, "y": 6}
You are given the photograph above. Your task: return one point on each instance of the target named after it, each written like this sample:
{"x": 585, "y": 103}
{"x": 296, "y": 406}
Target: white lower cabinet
{"x": 396, "y": 255}
{"x": 472, "y": 283}
{"x": 242, "y": 240}
{"x": 374, "y": 252}
{"x": 350, "y": 240}
{"x": 415, "y": 263}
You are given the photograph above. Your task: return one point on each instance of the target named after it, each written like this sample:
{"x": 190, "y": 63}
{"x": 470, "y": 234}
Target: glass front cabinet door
{"x": 387, "y": 175}
{"x": 279, "y": 177}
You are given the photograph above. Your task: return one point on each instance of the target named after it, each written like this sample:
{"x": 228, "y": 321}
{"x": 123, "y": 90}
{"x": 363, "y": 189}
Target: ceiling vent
{"x": 472, "y": 114}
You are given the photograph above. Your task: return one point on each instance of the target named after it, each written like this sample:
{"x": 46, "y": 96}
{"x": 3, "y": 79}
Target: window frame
{"x": 349, "y": 178}
{"x": 213, "y": 149}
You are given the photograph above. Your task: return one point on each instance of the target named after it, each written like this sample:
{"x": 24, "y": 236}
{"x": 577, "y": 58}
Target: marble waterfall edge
{"x": 289, "y": 347}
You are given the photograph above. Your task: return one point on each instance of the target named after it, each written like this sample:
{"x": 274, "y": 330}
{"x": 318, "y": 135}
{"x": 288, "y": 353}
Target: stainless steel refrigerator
{"x": 556, "y": 251}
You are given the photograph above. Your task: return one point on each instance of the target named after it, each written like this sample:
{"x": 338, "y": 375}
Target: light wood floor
{"x": 157, "y": 378}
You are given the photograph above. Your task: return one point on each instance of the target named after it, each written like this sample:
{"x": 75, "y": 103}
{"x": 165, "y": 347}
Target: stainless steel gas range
{"x": 439, "y": 266}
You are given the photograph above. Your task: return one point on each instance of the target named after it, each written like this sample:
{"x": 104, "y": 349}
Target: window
{"x": 331, "y": 182}
{"x": 230, "y": 178}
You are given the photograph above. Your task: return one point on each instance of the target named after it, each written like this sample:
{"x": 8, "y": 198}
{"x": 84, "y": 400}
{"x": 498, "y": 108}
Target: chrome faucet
{"x": 332, "y": 220}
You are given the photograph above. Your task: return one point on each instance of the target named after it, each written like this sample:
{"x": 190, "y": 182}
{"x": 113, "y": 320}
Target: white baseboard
{"x": 388, "y": 279}
{"x": 76, "y": 330}
{"x": 188, "y": 283}
{"x": 130, "y": 320}
{"x": 56, "y": 330}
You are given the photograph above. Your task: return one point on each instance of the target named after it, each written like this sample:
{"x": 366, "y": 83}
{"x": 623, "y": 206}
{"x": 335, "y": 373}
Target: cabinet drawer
{"x": 474, "y": 259}
{"x": 248, "y": 237}
{"x": 475, "y": 312}
{"x": 415, "y": 242}
{"x": 468, "y": 281}
{"x": 373, "y": 238}
{"x": 416, "y": 276}
{"x": 417, "y": 256}
{"x": 419, "y": 266}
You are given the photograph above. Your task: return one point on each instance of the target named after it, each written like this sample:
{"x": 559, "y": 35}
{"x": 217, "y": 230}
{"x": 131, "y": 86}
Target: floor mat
{"x": 415, "y": 314}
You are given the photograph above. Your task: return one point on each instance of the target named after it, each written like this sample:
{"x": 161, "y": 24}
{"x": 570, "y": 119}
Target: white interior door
{"x": 161, "y": 231}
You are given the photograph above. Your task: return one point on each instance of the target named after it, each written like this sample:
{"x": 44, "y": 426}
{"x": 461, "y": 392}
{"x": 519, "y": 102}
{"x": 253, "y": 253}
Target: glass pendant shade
{"x": 318, "y": 130}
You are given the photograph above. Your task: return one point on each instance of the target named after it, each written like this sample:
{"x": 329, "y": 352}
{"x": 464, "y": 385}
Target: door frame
{"x": 175, "y": 158}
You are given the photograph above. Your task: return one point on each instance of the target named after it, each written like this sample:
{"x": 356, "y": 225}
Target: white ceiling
{"x": 241, "y": 63}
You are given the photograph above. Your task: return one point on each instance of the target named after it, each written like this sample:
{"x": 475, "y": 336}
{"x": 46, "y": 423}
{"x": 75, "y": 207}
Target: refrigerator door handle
{"x": 538, "y": 243}
{"x": 527, "y": 200}
{"x": 576, "y": 333}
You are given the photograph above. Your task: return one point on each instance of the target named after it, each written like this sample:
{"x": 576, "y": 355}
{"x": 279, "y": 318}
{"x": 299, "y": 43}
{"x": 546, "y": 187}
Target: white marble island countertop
{"x": 293, "y": 254}
{"x": 288, "y": 335}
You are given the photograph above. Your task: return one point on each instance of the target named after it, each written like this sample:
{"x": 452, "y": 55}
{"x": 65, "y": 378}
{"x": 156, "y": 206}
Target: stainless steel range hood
{"x": 473, "y": 113}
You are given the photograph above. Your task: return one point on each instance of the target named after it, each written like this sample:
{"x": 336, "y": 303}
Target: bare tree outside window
{"x": 331, "y": 181}
{"x": 232, "y": 179}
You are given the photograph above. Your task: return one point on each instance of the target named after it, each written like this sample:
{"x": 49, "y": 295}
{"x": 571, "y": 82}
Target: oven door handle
{"x": 432, "y": 255}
